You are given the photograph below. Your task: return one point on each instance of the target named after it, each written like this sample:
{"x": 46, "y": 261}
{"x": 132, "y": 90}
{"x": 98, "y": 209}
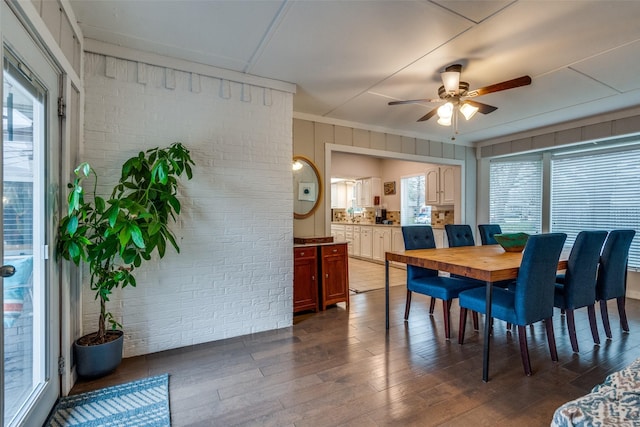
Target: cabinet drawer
{"x": 307, "y": 252}
{"x": 334, "y": 250}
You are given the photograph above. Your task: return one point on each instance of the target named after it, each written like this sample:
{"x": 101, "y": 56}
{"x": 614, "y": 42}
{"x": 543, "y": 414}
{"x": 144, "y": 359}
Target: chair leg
{"x": 605, "y": 318}
{"x": 463, "y": 324}
{"x": 474, "y": 317}
{"x": 551, "y": 339}
{"x": 432, "y": 305}
{"x": 446, "y": 308}
{"x": 571, "y": 325}
{"x": 623, "y": 314}
{"x": 524, "y": 349}
{"x": 591, "y": 310}
{"x": 407, "y": 305}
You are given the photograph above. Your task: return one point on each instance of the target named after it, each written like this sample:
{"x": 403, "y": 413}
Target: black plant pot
{"x": 94, "y": 361}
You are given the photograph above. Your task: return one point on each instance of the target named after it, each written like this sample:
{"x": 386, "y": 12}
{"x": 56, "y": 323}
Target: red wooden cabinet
{"x": 305, "y": 279}
{"x": 334, "y": 268}
{"x": 320, "y": 276}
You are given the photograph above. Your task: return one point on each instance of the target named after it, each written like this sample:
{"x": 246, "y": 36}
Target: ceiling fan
{"x": 454, "y": 93}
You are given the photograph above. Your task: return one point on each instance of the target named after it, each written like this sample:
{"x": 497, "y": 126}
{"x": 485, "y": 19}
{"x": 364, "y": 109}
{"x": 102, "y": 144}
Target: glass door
{"x": 30, "y": 344}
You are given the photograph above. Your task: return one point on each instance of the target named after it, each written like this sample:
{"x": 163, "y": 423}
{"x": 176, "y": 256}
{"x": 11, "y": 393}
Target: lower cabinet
{"x": 320, "y": 276}
{"x": 335, "y": 274}
{"x": 366, "y": 242}
{"x": 381, "y": 242}
{"x": 305, "y": 283}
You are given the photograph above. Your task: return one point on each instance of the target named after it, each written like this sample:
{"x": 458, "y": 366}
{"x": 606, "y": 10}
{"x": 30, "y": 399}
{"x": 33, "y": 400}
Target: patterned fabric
{"x": 138, "y": 403}
{"x": 615, "y": 402}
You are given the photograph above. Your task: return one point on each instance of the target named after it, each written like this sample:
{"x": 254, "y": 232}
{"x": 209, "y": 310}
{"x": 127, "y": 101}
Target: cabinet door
{"x": 447, "y": 185}
{"x": 432, "y": 186}
{"x": 348, "y": 234}
{"x": 381, "y": 242}
{"x": 305, "y": 283}
{"x": 366, "y": 242}
{"x": 397, "y": 241}
{"x": 438, "y": 236}
{"x": 335, "y": 275}
{"x": 356, "y": 240}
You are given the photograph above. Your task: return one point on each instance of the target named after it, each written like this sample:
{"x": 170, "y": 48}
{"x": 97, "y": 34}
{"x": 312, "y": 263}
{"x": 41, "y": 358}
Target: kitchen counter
{"x": 363, "y": 224}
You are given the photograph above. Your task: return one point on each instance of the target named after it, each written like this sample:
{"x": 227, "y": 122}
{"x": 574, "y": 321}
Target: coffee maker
{"x": 381, "y": 213}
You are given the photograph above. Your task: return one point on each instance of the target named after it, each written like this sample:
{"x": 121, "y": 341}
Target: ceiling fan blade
{"x": 509, "y": 84}
{"x": 428, "y": 115}
{"x": 414, "y": 101}
{"x": 482, "y": 108}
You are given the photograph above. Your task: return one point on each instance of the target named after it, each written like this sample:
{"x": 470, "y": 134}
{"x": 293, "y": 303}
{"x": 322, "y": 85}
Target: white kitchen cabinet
{"x": 397, "y": 241}
{"x": 440, "y": 185}
{"x": 438, "y": 235}
{"x": 356, "y": 241}
{"x": 348, "y": 233}
{"x": 366, "y": 242}
{"x": 366, "y": 191}
{"x": 381, "y": 242}
{"x": 338, "y": 233}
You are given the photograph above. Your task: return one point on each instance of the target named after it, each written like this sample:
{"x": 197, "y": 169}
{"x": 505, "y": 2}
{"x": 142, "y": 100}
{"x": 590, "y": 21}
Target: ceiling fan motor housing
{"x": 463, "y": 87}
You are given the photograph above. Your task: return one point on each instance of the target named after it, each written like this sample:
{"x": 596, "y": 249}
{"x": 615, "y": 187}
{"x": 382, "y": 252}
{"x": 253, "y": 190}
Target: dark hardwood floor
{"x": 340, "y": 368}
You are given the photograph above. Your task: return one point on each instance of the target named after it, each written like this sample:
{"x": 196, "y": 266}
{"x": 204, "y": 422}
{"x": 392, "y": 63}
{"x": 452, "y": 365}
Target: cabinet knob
{"x": 301, "y": 253}
{"x": 335, "y": 250}
{"x": 327, "y": 276}
{"x": 313, "y": 277}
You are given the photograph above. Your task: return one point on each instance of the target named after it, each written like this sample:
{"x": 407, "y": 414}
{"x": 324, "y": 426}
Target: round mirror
{"x": 307, "y": 187}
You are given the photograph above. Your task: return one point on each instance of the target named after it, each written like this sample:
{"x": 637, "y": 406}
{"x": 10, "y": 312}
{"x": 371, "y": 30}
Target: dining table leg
{"x": 386, "y": 292}
{"x": 487, "y": 333}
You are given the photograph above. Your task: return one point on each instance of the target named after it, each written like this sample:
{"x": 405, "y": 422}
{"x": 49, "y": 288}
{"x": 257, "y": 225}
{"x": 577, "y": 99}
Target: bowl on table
{"x": 512, "y": 242}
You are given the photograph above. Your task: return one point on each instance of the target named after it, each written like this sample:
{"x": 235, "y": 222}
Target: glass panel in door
{"x": 23, "y": 128}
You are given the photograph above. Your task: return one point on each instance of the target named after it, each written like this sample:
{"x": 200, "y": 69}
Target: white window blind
{"x": 597, "y": 192}
{"x": 515, "y": 195}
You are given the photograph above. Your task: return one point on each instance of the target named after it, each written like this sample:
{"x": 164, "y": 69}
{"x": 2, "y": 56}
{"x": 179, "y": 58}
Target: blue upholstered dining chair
{"x": 426, "y": 281}
{"x": 487, "y": 231}
{"x": 459, "y": 235}
{"x": 612, "y": 276}
{"x": 532, "y": 298}
{"x": 576, "y": 288}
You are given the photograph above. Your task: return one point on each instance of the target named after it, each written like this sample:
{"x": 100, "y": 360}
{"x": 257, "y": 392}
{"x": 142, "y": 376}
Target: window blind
{"x": 597, "y": 192}
{"x": 515, "y": 195}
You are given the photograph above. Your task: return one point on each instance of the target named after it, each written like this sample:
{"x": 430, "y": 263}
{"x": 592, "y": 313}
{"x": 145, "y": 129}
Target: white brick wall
{"x": 234, "y": 273}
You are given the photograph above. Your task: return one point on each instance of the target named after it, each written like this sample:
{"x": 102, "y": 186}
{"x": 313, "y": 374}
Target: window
{"x": 515, "y": 195}
{"x": 597, "y": 192}
{"x": 413, "y": 210}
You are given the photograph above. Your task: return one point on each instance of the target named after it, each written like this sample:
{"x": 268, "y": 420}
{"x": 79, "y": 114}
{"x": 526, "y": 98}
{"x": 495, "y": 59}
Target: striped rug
{"x": 139, "y": 403}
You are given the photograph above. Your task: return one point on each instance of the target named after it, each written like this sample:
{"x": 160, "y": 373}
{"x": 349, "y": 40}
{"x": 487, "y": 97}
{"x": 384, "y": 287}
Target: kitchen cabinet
{"x": 356, "y": 241}
{"x": 305, "y": 283}
{"x": 397, "y": 240}
{"x": 367, "y": 189}
{"x": 381, "y": 242}
{"x": 348, "y": 232}
{"x": 366, "y": 242}
{"x": 335, "y": 274}
{"x": 440, "y": 185}
{"x": 438, "y": 236}
{"x": 338, "y": 233}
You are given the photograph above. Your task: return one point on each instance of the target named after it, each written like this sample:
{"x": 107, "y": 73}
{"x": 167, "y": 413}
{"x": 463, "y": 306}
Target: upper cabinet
{"x": 367, "y": 189}
{"x": 440, "y": 185}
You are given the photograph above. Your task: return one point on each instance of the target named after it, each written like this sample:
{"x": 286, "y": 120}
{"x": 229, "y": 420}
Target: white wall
{"x": 234, "y": 273}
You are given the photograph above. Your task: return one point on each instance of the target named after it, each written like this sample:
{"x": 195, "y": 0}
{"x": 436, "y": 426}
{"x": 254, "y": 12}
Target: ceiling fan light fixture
{"x": 468, "y": 110}
{"x": 451, "y": 81}
{"x": 444, "y": 121}
{"x": 445, "y": 111}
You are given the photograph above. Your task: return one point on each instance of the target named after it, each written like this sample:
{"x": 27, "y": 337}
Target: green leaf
{"x": 124, "y": 236}
{"x": 100, "y": 204}
{"x": 154, "y": 227}
{"x": 136, "y": 235}
{"x": 72, "y": 225}
{"x": 175, "y": 203}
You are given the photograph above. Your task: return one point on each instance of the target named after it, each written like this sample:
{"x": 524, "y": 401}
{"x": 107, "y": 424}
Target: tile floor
{"x": 367, "y": 276}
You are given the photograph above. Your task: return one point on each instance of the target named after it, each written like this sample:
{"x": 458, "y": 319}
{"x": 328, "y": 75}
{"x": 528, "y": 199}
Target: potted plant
{"x": 115, "y": 235}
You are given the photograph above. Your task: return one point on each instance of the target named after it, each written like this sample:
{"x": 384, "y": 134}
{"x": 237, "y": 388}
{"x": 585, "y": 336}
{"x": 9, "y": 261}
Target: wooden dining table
{"x": 489, "y": 263}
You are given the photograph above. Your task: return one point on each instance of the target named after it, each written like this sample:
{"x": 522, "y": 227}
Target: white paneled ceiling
{"x": 350, "y": 58}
